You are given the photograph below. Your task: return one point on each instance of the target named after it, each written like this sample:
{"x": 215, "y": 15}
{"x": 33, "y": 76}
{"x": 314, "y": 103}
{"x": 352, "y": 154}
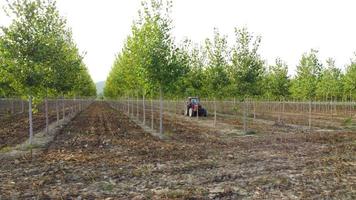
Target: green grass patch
{"x": 106, "y": 186}
{"x": 250, "y": 132}
{"x": 29, "y": 147}
{"x": 5, "y": 149}
{"x": 347, "y": 121}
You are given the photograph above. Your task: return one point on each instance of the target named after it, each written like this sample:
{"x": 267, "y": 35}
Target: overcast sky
{"x": 288, "y": 27}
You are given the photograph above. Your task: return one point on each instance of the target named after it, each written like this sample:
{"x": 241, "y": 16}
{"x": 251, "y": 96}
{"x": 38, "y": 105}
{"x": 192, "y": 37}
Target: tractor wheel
{"x": 191, "y": 112}
{"x": 205, "y": 113}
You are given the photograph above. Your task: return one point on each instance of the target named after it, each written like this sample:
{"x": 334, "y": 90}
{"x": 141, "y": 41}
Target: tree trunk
{"x": 128, "y": 106}
{"x": 30, "y": 118}
{"x": 310, "y": 114}
{"x": 12, "y": 106}
{"x": 144, "y": 108}
{"x": 46, "y": 111}
{"x": 160, "y": 111}
{"x": 57, "y": 111}
{"x": 22, "y": 106}
{"x": 214, "y": 112}
{"x": 244, "y": 116}
{"x": 63, "y": 108}
{"x": 152, "y": 115}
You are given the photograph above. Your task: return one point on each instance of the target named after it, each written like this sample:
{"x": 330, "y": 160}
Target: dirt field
{"x": 103, "y": 154}
{"x": 15, "y": 129}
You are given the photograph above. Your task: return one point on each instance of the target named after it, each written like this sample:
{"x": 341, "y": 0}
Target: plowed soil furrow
{"x": 15, "y": 129}
{"x": 101, "y": 153}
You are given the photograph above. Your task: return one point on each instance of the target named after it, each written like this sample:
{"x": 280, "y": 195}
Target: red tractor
{"x": 193, "y": 107}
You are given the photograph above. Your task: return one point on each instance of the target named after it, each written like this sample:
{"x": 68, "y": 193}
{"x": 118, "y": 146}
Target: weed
{"x": 250, "y": 132}
{"x": 144, "y": 170}
{"x": 106, "y": 186}
{"x": 29, "y": 147}
{"x": 347, "y": 121}
{"x": 5, "y": 149}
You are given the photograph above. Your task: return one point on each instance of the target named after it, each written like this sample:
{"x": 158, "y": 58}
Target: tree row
{"x": 151, "y": 63}
{"x": 38, "y": 56}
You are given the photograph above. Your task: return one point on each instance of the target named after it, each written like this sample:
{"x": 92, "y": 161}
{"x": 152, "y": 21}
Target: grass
{"x": 5, "y": 149}
{"x": 347, "y": 121}
{"x": 106, "y": 186}
{"x": 141, "y": 171}
{"x": 29, "y": 147}
{"x": 250, "y": 132}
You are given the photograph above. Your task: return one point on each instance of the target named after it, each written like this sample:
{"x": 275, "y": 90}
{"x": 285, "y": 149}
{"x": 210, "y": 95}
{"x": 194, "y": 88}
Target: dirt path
{"x": 102, "y": 154}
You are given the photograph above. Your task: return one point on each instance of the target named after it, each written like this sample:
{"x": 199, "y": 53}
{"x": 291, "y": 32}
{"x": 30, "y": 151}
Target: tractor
{"x": 194, "y": 108}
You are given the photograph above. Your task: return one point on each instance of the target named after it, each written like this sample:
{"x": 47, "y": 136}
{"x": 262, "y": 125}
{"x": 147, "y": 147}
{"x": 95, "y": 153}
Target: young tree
{"x": 150, "y": 60}
{"x": 349, "y": 80}
{"x": 277, "y": 80}
{"x": 247, "y": 67}
{"x": 38, "y": 50}
{"x": 7, "y": 82}
{"x": 330, "y": 85}
{"x": 308, "y": 75}
{"x": 193, "y": 83}
{"x": 216, "y": 72}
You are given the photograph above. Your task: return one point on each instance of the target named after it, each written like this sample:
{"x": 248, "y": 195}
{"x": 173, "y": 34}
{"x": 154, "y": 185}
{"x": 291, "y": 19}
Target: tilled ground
{"x": 15, "y": 129}
{"x": 102, "y": 154}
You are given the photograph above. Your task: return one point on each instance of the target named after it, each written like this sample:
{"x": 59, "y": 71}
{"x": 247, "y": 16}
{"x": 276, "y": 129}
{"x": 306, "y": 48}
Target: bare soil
{"x": 15, "y": 129}
{"x": 102, "y": 154}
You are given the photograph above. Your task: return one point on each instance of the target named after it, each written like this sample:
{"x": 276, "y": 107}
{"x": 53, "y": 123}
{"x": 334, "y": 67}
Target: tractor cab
{"x": 193, "y": 100}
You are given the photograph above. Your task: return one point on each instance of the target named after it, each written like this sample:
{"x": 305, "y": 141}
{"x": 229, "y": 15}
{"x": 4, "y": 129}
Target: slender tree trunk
{"x": 46, "y": 110}
{"x": 244, "y": 116}
{"x": 57, "y": 111}
{"x": 160, "y": 110}
{"x": 128, "y": 106}
{"x": 137, "y": 107}
{"x": 30, "y": 118}
{"x": 63, "y": 107}
{"x": 152, "y": 115}
{"x": 310, "y": 114}
{"x": 22, "y": 106}
{"x": 214, "y": 112}
{"x": 12, "y": 106}
{"x": 144, "y": 108}
{"x": 350, "y": 107}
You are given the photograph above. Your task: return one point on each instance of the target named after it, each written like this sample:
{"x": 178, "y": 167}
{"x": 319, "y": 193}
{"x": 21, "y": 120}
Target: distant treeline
{"x": 38, "y": 56}
{"x": 151, "y": 61}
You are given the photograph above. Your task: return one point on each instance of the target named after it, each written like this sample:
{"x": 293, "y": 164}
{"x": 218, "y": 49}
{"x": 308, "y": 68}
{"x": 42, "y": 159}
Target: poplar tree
{"x": 308, "y": 75}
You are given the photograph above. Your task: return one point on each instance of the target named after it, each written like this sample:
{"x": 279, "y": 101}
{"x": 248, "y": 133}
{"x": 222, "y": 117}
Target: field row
{"x": 103, "y": 153}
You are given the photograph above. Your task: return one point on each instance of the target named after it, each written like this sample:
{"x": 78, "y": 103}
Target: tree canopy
{"x": 38, "y": 55}
{"x": 151, "y": 59}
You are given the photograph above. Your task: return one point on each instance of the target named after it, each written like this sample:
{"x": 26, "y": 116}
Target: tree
{"x": 349, "y": 80}
{"x": 308, "y": 75}
{"x": 149, "y": 59}
{"x": 194, "y": 81}
{"x": 38, "y": 50}
{"x": 277, "y": 80}
{"x": 329, "y": 85}
{"x": 247, "y": 67}
{"x": 216, "y": 72}
{"x": 39, "y": 56}
{"x": 6, "y": 80}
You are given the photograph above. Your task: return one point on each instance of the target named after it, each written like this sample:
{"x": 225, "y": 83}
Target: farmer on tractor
{"x": 193, "y": 107}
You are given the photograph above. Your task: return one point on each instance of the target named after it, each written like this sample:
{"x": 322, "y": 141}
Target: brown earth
{"x": 103, "y": 154}
{"x": 15, "y": 129}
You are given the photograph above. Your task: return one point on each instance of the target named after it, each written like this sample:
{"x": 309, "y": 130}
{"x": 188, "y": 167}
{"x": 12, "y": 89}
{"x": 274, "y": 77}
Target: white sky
{"x": 288, "y": 27}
